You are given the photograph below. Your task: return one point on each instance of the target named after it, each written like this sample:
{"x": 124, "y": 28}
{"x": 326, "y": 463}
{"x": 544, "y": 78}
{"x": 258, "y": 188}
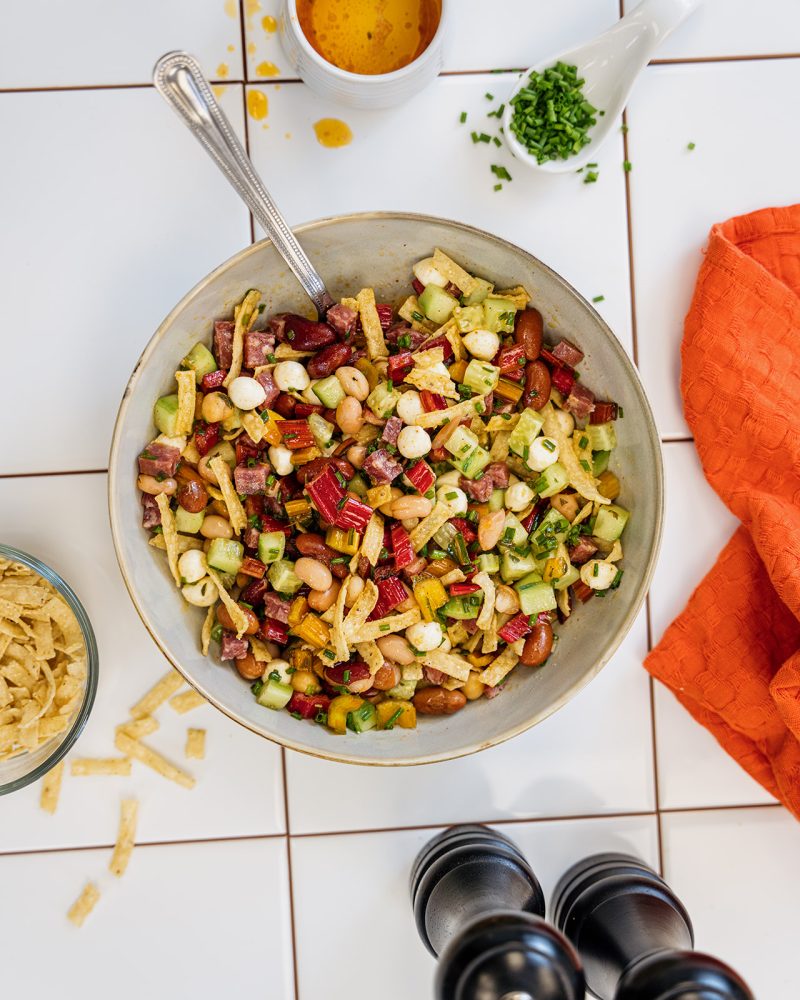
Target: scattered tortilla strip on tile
{"x": 503, "y": 664}
{"x": 136, "y": 728}
{"x": 87, "y": 766}
{"x": 187, "y": 398}
{"x": 449, "y": 663}
{"x": 237, "y": 615}
{"x": 151, "y": 758}
{"x": 244, "y": 316}
{"x": 429, "y": 525}
{"x": 236, "y": 513}
{"x": 84, "y": 904}
{"x": 196, "y": 744}
{"x": 170, "y": 535}
{"x": 385, "y": 626}
{"x": 126, "y": 836}
{"x": 157, "y": 695}
{"x": 186, "y": 701}
{"x": 371, "y": 324}
{"x": 448, "y": 268}
{"x": 51, "y": 788}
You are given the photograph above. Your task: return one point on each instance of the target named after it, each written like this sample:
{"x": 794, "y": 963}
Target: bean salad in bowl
{"x": 385, "y": 512}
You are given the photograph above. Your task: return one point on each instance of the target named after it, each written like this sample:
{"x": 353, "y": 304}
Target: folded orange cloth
{"x": 733, "y": 656}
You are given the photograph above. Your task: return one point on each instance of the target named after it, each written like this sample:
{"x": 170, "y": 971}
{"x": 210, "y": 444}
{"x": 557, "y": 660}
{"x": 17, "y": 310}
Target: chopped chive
{"x": 690, "y": 146}
{"x": 475, "y": 136}
{"x": 488, "y": 96}
{"x": 599, "y": 298}
{"x": 624, "y": 129}
{"x": 502, "y": 173}
{"x": 497, "y": 187}
{"x": 484, "y": 137}
{"x": 463, "y": 117}
{"x": 627, "y": 166}
{"x": 496, "y": 141}
{"x": 591, "y": 166}
{"x": 590, "y": 177}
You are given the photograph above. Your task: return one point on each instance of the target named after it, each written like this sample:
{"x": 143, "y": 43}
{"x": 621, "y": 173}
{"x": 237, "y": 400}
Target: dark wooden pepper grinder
{"x": 634, "y": 935}
{"x": 479, "y": 908}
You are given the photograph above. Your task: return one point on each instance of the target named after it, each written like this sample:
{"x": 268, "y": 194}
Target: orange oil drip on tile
{"x": 231, "y": 8}
{"x": 267, "y": 69}
{"x": 257, "y": 105}
{"x": 222, "y": 70}
{"x": 269, "y": 24}
{"x": 332, "y": 133}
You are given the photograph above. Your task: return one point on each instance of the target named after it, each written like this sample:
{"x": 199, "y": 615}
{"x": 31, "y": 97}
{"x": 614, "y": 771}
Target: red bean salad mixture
{"x": 384, "y": 512}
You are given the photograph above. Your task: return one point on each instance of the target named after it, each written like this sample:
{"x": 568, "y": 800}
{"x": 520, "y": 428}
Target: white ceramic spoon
{"x": 609, "y": 64}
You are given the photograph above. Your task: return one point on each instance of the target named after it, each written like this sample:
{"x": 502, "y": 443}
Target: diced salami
{"x": 250, "y": 479}
{"x": 497, "y": 472}
{"x": 580, "y": 401}
{"x": 392, "y": 430}
{"x": 267, "y": 383}
{"x": 567, "y": 353}
{"x": 275, "y": 607}
{"x": 342, "y": 318}
{"x": 151, "y": 515}
{"x": 250, "y": 538}
{"x": 493, "y": 692}
{"x": 582, "y": 551}
{"x": 383, "y": 572}
{"x": 159, "y": 460}
{"x": 604, "y": 411}
{"x": 253, "y": 594}
{"x": 277, "y": 325}
{"x": 477, "y": 489}
{"x": 223, "y": 342}
{"x": 411, "y": 338}
{"x": 258, "y": 345}
{"x": 433, "y": 675}
{"x": 233, "y": 648}
{"x": 381, "y": 467}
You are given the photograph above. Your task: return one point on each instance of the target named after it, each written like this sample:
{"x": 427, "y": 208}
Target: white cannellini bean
{"x": 201, "y": 594}
{"x": 565, "y": 421}
{"x": 281, "y": 460}
{"x": 598, "y": 575}
{"x": 409, "y": 406}
{"x": 482, "y": 344}
{"x": 426, "y": 272}
{"x": 425, "y": 636}
{"x": 543, "y": 452}
{"x": 413, "y": 442}
{"x": 518, "y": 496}
{"x": 246, "y": 393}
{"x": 353, "y": 382}
{"x": 454, "y": 496}
{"x": 281, "y": 667}
{"x": 290, "y": 375}
{"x": 192, "y": 565}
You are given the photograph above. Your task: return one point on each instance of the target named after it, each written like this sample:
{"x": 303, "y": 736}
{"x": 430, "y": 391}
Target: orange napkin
{"x": 733, "y": 656}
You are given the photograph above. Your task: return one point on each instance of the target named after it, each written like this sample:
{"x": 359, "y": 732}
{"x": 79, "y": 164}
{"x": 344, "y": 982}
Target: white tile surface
{"x": 733, "y": 28}
{"x": 578, "y": 229}
{"x": 593, "y": 756}
{"x": 372, "y": 911}
{"x": 195, "y": 920}
{"x": 239, "y": 790}
{"x": 89, "y": 42}
{"x": 733, "y": 112}
{"x": 736, "y": 871}
{"x": 110, "y": 213}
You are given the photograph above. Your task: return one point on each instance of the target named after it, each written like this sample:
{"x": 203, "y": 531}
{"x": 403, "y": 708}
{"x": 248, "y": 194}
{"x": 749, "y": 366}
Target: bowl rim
{"x": 645, "y": 577}
{"x": 92, "y": 667}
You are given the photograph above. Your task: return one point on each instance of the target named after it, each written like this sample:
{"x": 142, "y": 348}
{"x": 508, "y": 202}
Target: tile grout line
{"x": 243, "y": 36}
{"x": 287, "y": 824}
{"x": 235, "y": 838}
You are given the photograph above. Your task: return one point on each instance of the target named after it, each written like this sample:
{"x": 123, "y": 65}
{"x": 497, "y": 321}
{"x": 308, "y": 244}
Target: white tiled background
{"x": 109, "y": 213}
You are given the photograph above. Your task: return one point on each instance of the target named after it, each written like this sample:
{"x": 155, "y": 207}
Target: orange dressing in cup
{"x": 369, "y": 36}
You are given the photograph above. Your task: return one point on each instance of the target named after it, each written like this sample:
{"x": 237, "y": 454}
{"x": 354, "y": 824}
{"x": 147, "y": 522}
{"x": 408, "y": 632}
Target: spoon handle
{"x": 178, "y": 78}
{"x": 661, "y": 16}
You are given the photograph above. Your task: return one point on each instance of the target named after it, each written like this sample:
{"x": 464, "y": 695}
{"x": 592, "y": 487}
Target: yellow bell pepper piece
{"x": 297, "y": 611}
{"x": 304, "y": 455}
{"x": 388, "y": 709}
{"x": 271, "y": 433}
{"x": 298, "y": 510}
{"x": 481, "y": 659}
{"x": 457, "y": 370}
{"x": 430, "y": 595}
{"x": 313, "y": 631}
{"x": 379, "y": 495}
{"x": 300, "y": 659}
{"x": 345, "y": 540}
{"x": 608, "y": 485}
{"x": 554, "y": 569}
{"x": 338, "y": 709}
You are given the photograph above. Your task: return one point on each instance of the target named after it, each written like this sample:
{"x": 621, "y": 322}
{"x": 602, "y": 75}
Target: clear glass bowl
{"x": 16, "y": 772}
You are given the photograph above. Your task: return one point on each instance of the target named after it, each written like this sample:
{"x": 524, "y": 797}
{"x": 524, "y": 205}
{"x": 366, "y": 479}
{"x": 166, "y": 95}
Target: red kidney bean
{"x": 328, "y": 360}
{"x": 305, "y": 334}
{"x": 314, "y": 546}
{"x": 193, "y": 497}
{"x": 285, "y": 405}
{"x": 357, "y": 674}
{"x": 528, "y": 330}
{"x": 537, "y": 646}
{"x": 305, "y": 473}
{"x": 537, "y": 385}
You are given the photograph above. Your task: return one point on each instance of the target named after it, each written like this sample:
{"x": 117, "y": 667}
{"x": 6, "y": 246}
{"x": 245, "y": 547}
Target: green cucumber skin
{"x": 535, "y": 596}
{"x": 478, "y": 294}
{"x": 283, "y": 577}
{"x": 226, "y": 555}
{"x": 493, "y": 308}
{"x": 275, "y": 695}
{"x": 271, "y": 545}
{"x": 165, "y": 414}
{"x": 553, "y": 480}
{"x": 329, "y": 391}
{"x": 187, "y": 523}
{"x": 473, "y": 464}
{"x": 458, "y": 608}
{"x": 481, "y": 376}
{"x": 525, "y": 433}
{"x": 437, "y": 304}
{"x": 514, "y": 566}
{"x": 200, "y": 360}
{"x": 610, "y": 522}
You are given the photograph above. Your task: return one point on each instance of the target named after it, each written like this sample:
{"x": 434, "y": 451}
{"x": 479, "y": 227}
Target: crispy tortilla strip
{"x": 385, "y": 626}
{"x": 84, "y": 904}
{"x": 340, "y": 648}
{"x": 428, "y": 358}
{"x": 615, "y": 554}
{"x": 499, "y": 423}
{"x": 562, "y": 600}
{"x": 51, "y": 788}
{"x": 146, "y": 755}
{"x": 186, "y": 701}
{"x": 183, "y": 544}
{"x": 579, "y": 478}
{"x": 236, "y": 513}
{"x": 517, "y": 294}
{"x": 170, "y": 535}
{"x": 126, "y": 835}
{"x": 244, "y": 316}
{"x": 371, "y": 324}
{"x": 5, "y": 694}
{"x": 502, "y": 664}
{"x": 237, "y": 615}
{"x": 58, "y": 610}
{"x": 157, "y": 695}
{"x": 372, "y": 542}
{"x": 208, "y": 625}
{"x": 196, "y": 744}
{"x": 254, "y": 426}
{"x": 499, "y": 450}
{"x": 360, "y": 611}
{"x": 371, "y": 655}
{"x": 454, "y": 576}
{"x": 432, "y": 380}
{"x": 137, "y": 728}
{"x": 187, "y": 397}
{"x": 448, "y": 663}
{"x": 411, "y": 313}
{"x": 454, "y": 272}
{"x": 583, "y": 513}
{"x": 451, "y": 684}
{"x": 428, "y": 526}
{"x": 486, "y": 584}
{"x": 460, "y": 411}
{"x": 285, "y": 352}
{"x": 490, "y": 638}
{"x": 43, "y": 637}
{"x": 52, "y": 725}
{"x": 259, "y": 650}
{"x": 411, "y": 672}
{"x": 86, "y": 766}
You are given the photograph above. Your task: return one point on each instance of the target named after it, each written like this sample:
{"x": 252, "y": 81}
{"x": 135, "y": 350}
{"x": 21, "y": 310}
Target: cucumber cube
{"x": 362, "y": 718}
{"x": 321, "y": 429}
{"x": 526, "y": 431}
{"x": 513, "y": 532}
{"x": 274, "y": 694}
{"x": 478, "y": 293}
{"x": 499, "y": 314}
{"x": 553, "y": 480}
{"x": 469, "y": 318}
{"x": 461, "y": 442}
{"x": 383, "y": 398}
{"x": 437, "y": 304}
{"x": 488, "y": 562}
{"x": 610, "y": 522}
{"x": 225, "y": 554}
{"x": 602, "y": 437}
{"x": 270, "y": 546}
{"x": 552, "y": 525}
{"x": 464, "y": 606}
{"x": 497, "y": 500}
{"x": 472, "y": 465}
{"x": 514, "y": 566}
{"x": 329, "y": 391}
{"x": 187, "y": 523}
{"x": 571, "y": 576}
{"x": 200, "y": 360}
{"x": 165, "y": 414}
{"x": 283, "y": 577}
{"x": 481, "y": 377}
{"x": 600, "y": 462}
{"x": 535, "y": 596}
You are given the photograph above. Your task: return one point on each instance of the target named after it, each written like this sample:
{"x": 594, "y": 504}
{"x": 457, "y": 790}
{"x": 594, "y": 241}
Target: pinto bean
{"x": 153, "y": 486}
{"x": 528, "y": 332}
{"x": 386, "y": 677}
{"x": 328, "y": 360}
{"x": 225, "y": 620}
{"x": 537, "y": 385}
{"x": 314, "y": 572}
{"x": 538, "y": 645}
{"x": 193, "y": 496}
{"x": 249, "y": 667}
{"x": 438, "y": 701}
{"x": 313, "y": 546}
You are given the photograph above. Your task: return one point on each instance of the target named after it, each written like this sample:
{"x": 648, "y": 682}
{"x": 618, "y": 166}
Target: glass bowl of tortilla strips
{"x": 48, "y": 669}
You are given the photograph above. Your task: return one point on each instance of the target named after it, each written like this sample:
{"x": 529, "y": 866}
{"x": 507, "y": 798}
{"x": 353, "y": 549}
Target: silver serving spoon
{"x": 180, "y": 81}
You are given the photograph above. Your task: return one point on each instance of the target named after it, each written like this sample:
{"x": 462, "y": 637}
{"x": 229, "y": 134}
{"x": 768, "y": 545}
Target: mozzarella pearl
{"x": 426, "y": 272}
{"x": 246, "y": 393}
{"x": 290, "y": 375}
{"x": 451, "y": 478}
{"x": 282, "y": 668}
{"x": 192, "y": 565}
{"x": 543, "y": 452}
{"x": 409, "y": 406}
{"x": 456, "y": 498}
{"x": 482, "y": 344}
{"x": 518, "y": 496}
{"x": 446, "y": 645}
{"x": 281, "y": 460}
{"x": 565, "y": 421}
{"x": 598, "y": 575}
{"x": 425, "y": 636}
{"x": 413, "y": 442}
{"x": 201, "y": 594}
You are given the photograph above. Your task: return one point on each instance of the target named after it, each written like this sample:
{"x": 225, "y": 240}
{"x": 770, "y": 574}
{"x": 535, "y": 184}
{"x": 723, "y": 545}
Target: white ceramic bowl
{"x": 378, "y": 249}
{"x": 358, "y": 90}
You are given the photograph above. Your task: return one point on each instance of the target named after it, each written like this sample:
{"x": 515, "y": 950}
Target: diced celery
{"x": 513, "y": 566}
{"x": 200, "y": 360}
{"x": 497, "y": 500}
{"x": 321, "y": 429}
{"x": 499, "y": 314}
{"x": 383, "y": 399}
{"x": 552, "y": 525}
{"x": 571, "y": 576}
{"x": 535, "y": 596}
{"x": 445, "y": 536}
{"x": 600, "y": 462}
{"x": 513, "y": 533}
{"x": 469, "y": 318}
{"x": 610, "y": 522}
{"x": 165, "y": 414}
{"x": 480, "y": 376}
{"x": 329, "y": 391}
{"x": 478, "y": 293}
{"x": 187, "y": 523}
{"x": 488, "y": 562}
{"x": 526, "y": 431}
{"x": 464, "y": 606}
{"x": 283, "y": 577}
{"x": 552, "y": 480}
{"x": 362, "y": 718}
{"x": 473, "y": 464}
{"x": 271, "y": 545}
{"x": 225, "y": 554}
{"x": 461, "y": 442}
{"x": 437, "y": 304}
{"x": 274, "y": 694}
{"x": 602, "y": 437}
